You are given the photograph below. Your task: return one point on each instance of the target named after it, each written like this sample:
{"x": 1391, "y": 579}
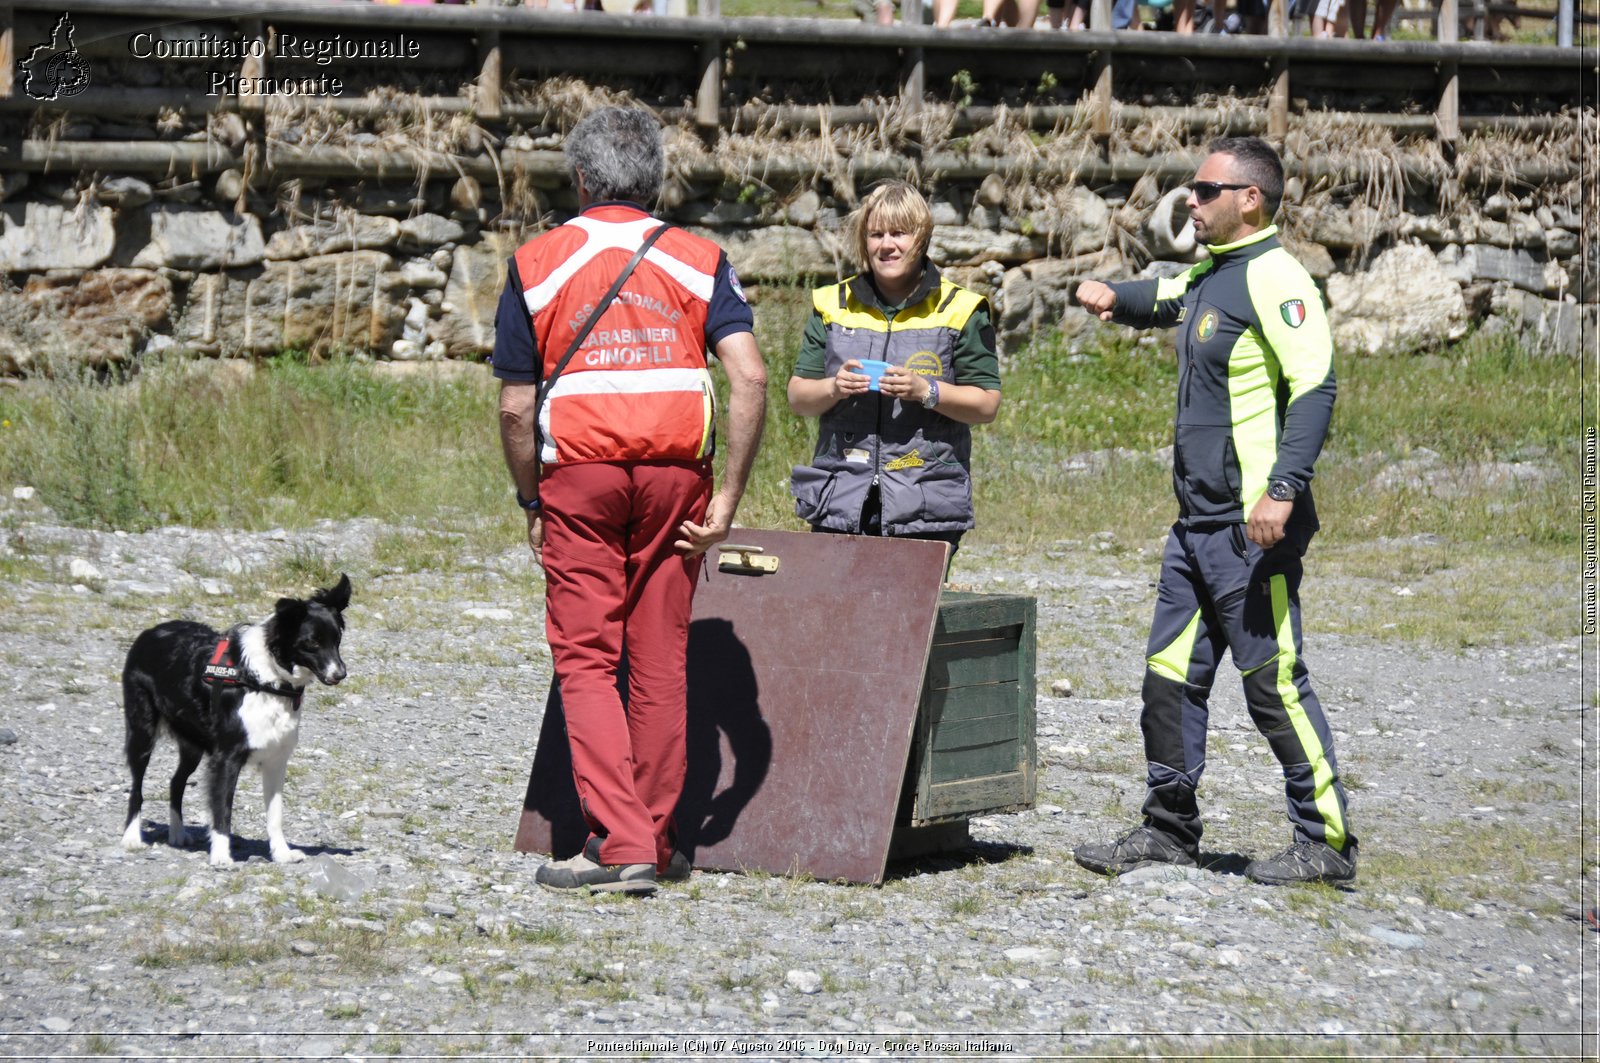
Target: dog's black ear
{"x": 336, "y": 597}
{"x": 290, "y": 610}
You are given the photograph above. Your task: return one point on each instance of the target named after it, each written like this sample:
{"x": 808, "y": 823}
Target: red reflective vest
{"x": 638, "y": 389}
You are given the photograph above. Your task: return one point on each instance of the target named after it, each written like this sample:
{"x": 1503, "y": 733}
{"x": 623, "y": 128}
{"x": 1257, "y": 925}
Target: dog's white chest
{"x": 271, "y": 725}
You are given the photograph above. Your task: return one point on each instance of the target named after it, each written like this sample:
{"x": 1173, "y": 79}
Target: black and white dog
{"x": 232, "y": 697}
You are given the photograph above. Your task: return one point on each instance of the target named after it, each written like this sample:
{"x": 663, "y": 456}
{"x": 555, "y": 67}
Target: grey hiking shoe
{"x": 677, "y": 869}
{"x": 1305, "y": 861}
{"x": 1140, "y": 846}
{"x": 579, "y": 872}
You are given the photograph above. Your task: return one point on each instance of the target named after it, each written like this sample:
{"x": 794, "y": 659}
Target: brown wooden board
{"x": 803, "y": 693}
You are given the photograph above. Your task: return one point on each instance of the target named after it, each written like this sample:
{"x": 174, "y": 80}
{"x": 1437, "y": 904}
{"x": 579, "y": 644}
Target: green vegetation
{"x": 209, "y": 444}
{"x": 1446, "y": 487}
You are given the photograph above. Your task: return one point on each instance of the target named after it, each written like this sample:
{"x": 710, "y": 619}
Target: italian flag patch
{"x": 1293, "y": 311}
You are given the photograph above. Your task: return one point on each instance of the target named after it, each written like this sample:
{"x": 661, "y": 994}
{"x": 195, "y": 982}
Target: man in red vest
{"x": 607, "y": 418}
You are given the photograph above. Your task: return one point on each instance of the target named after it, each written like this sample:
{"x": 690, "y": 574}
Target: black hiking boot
{"x": 1305, "y": 861}
{"x": 1140, "y": 846}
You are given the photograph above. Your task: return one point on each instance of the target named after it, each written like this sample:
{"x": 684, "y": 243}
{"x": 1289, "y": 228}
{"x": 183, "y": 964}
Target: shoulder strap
{"x": 594, "y": 318}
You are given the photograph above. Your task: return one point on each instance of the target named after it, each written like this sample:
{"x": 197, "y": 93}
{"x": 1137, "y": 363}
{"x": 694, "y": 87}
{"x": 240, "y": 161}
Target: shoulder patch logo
{"x": 1293, "y": 311}
{"x": 1206, "y": 327}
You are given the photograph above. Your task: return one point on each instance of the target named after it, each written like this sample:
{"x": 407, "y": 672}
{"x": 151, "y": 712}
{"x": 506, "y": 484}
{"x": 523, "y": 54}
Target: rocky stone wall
{"x": 120, "y": 266}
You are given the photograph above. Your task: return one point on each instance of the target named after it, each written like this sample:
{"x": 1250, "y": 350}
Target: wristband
{"x": 532, "y": 505}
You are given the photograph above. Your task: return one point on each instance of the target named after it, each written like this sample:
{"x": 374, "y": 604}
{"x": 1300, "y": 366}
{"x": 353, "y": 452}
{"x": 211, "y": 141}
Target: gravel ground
{"x": 416, "y": 930}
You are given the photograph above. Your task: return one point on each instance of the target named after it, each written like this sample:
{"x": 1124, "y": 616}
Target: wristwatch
{"x": 932, "y": 399}
{"x": 1281, "y": 491}
{"x": 532, "y": 505}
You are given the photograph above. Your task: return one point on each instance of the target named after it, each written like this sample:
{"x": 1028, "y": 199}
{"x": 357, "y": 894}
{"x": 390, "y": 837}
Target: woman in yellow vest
{"x": 897, "y": 362}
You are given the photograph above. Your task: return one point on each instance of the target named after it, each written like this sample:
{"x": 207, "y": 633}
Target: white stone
{"x": 1405, "y": 296}
{"x": 41, "y": 236}
{"x": 430, "y": 230}
{"x": 962, "y": 244}
{"x": 22, "y": 494}
{"x": 1030, "y": 954}
{"x": 778, "y": 252}
{"x": 480, "y": 613}
{"x": 422, "y": 273}
{"x": 1396, "y": 938}
{"x": 81, "y": 569}
{"x": 201, "y": 239}
{"x": 350, "y": 231}
{"x": 807, "y": 982}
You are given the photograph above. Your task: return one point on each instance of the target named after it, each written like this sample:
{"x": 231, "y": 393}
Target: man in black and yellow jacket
{"x": 1255, "y": 396}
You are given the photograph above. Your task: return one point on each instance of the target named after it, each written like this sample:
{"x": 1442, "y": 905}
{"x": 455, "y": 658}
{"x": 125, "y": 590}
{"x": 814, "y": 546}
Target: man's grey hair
{"x": 619, "y": 151}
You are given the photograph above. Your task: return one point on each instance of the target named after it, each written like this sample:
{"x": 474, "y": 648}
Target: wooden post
{"x": 254, "y": 66}
{"x": 1448, "y": 114}
{"x": 1100, "y": 96}
{"x": 488, "y": 94}
{"x": 913, "y": 74}
{"x": 253, "y": 109}
{"x": 1278, "y": 102}
{"x": 708, "y": 98}
{"x": 8, "y": 53}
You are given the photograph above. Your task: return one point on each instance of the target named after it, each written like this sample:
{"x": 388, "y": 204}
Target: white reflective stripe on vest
{"x": 616, "y": 382}
{"x": 621, "y": 236}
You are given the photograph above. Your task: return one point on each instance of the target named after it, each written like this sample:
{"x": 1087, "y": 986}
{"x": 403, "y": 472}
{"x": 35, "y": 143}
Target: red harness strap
{"x": 223, "y": 671}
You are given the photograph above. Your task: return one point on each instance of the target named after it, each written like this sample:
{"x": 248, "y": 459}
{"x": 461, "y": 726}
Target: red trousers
{"x": 613, "y": 579}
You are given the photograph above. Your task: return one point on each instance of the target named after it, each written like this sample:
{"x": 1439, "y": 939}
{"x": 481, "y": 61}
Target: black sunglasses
{"x": 1206, "y": 191}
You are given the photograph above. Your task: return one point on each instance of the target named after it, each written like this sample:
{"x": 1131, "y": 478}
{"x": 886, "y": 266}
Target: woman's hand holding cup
{"x": 901, "y": 383}
{"x": 850, "y": 380}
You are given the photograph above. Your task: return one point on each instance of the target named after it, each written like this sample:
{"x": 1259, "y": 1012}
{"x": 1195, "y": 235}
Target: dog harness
{"x": 223, "y": 671}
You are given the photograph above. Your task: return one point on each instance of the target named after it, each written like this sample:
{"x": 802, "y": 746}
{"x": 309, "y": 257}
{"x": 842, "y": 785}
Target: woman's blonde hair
{"x": 892, "y": 205}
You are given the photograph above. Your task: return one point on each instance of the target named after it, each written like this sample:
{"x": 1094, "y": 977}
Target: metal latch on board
{"x": 748, "y": 559}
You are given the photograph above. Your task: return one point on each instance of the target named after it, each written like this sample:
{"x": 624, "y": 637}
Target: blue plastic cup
{"x": 873, "y": 369}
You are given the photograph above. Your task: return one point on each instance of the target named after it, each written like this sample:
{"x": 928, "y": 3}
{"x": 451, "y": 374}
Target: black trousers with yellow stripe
{"x": 1220, "y": 591}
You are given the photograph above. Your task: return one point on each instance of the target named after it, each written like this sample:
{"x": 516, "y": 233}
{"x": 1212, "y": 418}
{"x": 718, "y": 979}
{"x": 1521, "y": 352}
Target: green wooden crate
{"x": 973, "y": 750}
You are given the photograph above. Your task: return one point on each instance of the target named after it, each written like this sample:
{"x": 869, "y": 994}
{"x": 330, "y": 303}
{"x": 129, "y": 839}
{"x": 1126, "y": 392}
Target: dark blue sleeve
{"x": 516, "y": 353}
{"x": 729, "y": 312}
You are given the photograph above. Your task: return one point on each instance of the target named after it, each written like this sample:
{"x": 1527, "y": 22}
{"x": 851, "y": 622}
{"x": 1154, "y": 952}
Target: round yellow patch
{"x": 1206, "y": 327}
{"x": 925, "y": 363}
